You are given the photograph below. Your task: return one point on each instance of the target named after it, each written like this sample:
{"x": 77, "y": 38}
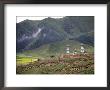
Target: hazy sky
{"x": 22, "y": 18}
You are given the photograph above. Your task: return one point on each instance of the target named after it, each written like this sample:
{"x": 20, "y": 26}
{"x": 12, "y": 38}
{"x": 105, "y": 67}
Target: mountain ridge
{"x": 32, "y": 34}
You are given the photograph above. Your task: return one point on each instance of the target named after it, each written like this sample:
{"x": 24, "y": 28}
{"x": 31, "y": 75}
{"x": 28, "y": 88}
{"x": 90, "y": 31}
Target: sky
{"x": 22, "y": 18}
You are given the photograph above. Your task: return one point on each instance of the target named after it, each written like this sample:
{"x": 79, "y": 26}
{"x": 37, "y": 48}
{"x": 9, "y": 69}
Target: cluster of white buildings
{"x": 74, "y": 51}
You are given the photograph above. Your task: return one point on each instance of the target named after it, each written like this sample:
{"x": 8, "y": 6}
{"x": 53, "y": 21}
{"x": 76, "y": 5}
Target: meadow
{"x": 23, "y": 60}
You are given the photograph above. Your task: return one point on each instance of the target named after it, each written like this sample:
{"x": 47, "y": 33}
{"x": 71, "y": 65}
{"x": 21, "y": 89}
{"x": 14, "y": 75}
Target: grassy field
{"x": 66, "y": 66}
{"x": 21, "y": 60}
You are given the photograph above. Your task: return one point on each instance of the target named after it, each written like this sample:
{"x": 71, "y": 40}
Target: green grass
{"x": 24, "y": 60}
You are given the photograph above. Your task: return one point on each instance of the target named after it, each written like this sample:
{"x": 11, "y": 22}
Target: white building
{"x": 82, "y": 49}
{"x": 67, "y": 49}
{"x": 75, "y": 51}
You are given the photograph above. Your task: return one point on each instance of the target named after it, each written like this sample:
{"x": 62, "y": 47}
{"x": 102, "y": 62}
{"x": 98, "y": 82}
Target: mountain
{"x": 32, "y": 34}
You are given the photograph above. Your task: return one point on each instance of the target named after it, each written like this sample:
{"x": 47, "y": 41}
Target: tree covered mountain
{"x": 32, "y": 34}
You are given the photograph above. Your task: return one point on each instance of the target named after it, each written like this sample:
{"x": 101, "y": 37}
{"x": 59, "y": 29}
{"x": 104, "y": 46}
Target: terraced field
{"x": 79, "y": 65}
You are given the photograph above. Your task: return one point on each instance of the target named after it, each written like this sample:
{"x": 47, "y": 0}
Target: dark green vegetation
{"x": 55, "y": 66}
{"x": 40, "y": 43}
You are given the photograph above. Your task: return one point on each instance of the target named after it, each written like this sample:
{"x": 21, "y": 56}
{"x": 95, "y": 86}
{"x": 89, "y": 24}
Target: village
{"x": 72, "y": 53}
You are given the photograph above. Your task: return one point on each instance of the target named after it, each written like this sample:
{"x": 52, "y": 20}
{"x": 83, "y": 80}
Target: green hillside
{"x": 55, "y": 48}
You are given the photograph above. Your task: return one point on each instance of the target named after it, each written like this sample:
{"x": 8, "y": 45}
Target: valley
{"x": 55, "y": 46}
